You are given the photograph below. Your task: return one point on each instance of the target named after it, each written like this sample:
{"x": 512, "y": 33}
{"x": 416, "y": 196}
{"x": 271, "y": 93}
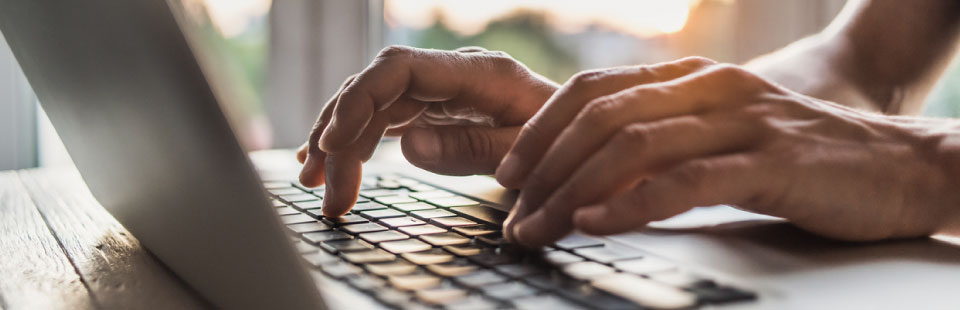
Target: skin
{"x": 794, "y": 134}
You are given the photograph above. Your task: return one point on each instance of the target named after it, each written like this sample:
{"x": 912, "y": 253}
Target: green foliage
{"x": 524, "y": 36}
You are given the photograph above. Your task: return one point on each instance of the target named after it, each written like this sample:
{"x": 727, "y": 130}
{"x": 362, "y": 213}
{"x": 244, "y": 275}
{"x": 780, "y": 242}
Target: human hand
{"x": 457, "y": 112}
{"x": 615, "y": 149}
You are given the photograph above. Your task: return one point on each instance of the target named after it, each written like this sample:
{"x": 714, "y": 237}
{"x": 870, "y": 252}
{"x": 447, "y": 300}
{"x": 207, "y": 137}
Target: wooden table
{"x": 59, "y": 249}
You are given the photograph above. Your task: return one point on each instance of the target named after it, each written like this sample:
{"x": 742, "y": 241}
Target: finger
{"x": 344, "y": 170}
{"x": 732, "y": 179}
{"x": 602, "y": 118}
{"x": 424, "y": 75}
{"x": 457, "y": 150}
{"x": 302, "y": 152}
{"x": 561, "y": 109}
{"x": 312, "y": 158}
{"x": 636, "y": 152}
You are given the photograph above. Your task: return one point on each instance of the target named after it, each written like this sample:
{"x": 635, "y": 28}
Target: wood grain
{"x": 118, "y": 271}
{"x": 35, "y": 273}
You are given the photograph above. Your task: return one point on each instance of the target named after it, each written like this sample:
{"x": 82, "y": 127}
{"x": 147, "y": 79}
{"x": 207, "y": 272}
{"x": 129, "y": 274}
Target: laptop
{"x": 125, "y": 90}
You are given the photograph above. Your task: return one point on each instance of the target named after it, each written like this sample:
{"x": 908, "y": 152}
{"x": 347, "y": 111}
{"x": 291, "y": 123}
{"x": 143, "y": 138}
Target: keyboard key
{"x": 340, "y": 270}
{"x": 482, "y": 213}
{"x": 544, "y": 302}
{"x": 646, "y": 265}
{"x": 298, "y": 197}
{"x": 389, "y": 184}
{"x": 446, "y": 238}
{"x": 608, "y": 254}
{"x": 591, "y": 297}
{"x": 719, "y": 295}
{"x": 284, "y": 191}
{"x": 431, "y": 194}
{"x": 574, "y": 241}
{"x": 561, "y": 258}
{"x": 587, "y": 270}
{"x": 465, "y": 249}
{"x": 276, "y": 184}
{"x": 440, "y": 296}
{"x": 367, "y": 283}
{"x": 307, "y": 205}
{"x": 345, "y": 219}
{"x": 405, "y": 246}
{"x": 494, "y": 258}
{"x": 429, "y": 214}
{"x": 277, "y": 203}
{"x": 474, "y": 302}
{"x": 389, "y": 200}
{"x": 369, "y": 256}
{"x": 363, "y": 228}
{"x": 551, "y": 281}
{"x": 421, "y": 188}
{"x": 366, "y": 206}
{"x": 452, "y": 221}
{"x": 456, "y": 267}
{"x": 398, "y": 267}
{"x": 401, "y": 221}
{"x": 476, "y": 230}
{"x": 296, "y": 219}
{"x": 419, "y": 230}
{"x": 377, "y": 237}
{"x": 304, "y": 247}
{"x": 455, "y": 201}
{"x": 308, "y": 227}
{"x": 350, "y": 245}
{"x": 393, "y": 297}
{"x": 323, "y": 236}
{"x": 509, "y": 290}
{"x": 286, "y": 211}
{"x": 520, "y": 270}
{"x": 414, "y": 281}
{"x": 382, "y": 213}
{"x": 374, "y": 193}
{"x": 480, "y": 278}
{"x": 496, "y": 239}
{"x": 683, "y": 280}
{"x": 425, "y": 257}
{"x": 319, "y": 259}
{"x": 645, "y": 292}
{"x": 416, "y": 206}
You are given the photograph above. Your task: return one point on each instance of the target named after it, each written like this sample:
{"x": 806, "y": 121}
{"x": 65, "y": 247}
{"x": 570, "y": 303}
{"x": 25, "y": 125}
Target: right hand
{"x": 457, "y": 112}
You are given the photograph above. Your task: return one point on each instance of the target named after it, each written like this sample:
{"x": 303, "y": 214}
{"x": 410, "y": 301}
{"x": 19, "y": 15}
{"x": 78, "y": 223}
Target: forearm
{"x": 812, "y": 66}
{"x": 878, "y": 55}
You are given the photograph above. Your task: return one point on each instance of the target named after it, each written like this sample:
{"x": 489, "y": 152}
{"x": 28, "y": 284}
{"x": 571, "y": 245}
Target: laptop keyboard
{"x": 412, "y": 245}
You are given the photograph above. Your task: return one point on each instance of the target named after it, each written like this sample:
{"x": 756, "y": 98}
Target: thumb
{"x": 457, "y": 150}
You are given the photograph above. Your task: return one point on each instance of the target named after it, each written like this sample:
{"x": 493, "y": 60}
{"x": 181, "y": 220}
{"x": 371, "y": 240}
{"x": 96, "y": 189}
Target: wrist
{"x": 943, "y": 143}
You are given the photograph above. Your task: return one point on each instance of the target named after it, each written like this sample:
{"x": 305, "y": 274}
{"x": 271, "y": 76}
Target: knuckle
{"x": 729, "y": 72}
{"x": 697, "y": 62}
{"x": 634, "y": 137}
{"x": 597, "y": 112}
{"x": 475, "y": 145}
{"x": 692, "y": 175}
{"x": 586, "y": 80}
{"x": 395, "y": 51}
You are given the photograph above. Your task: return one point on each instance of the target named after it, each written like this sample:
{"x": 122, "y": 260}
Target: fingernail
{"x": 508, "y": 170}
{"x": 426, "y": 144}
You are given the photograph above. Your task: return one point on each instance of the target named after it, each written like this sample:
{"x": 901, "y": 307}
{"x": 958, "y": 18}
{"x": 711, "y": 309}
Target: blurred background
{"x": 274, "y": 63}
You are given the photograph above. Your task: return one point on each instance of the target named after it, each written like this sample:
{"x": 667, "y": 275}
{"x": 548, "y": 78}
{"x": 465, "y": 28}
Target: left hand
{"x": 710, "y": 134}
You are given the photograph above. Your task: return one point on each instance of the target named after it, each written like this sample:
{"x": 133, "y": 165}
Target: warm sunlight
{"x": 231, "y": 17}
{"x": 643, "y": 18}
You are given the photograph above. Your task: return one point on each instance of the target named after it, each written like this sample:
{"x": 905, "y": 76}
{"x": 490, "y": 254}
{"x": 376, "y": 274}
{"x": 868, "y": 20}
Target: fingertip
{"x": 507, "y": 173}
{"x": 334, "y": 206}
{"x": 302, "y": 153}
{"x": 312, "y": 173}
{"x": 590, "y": 219}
